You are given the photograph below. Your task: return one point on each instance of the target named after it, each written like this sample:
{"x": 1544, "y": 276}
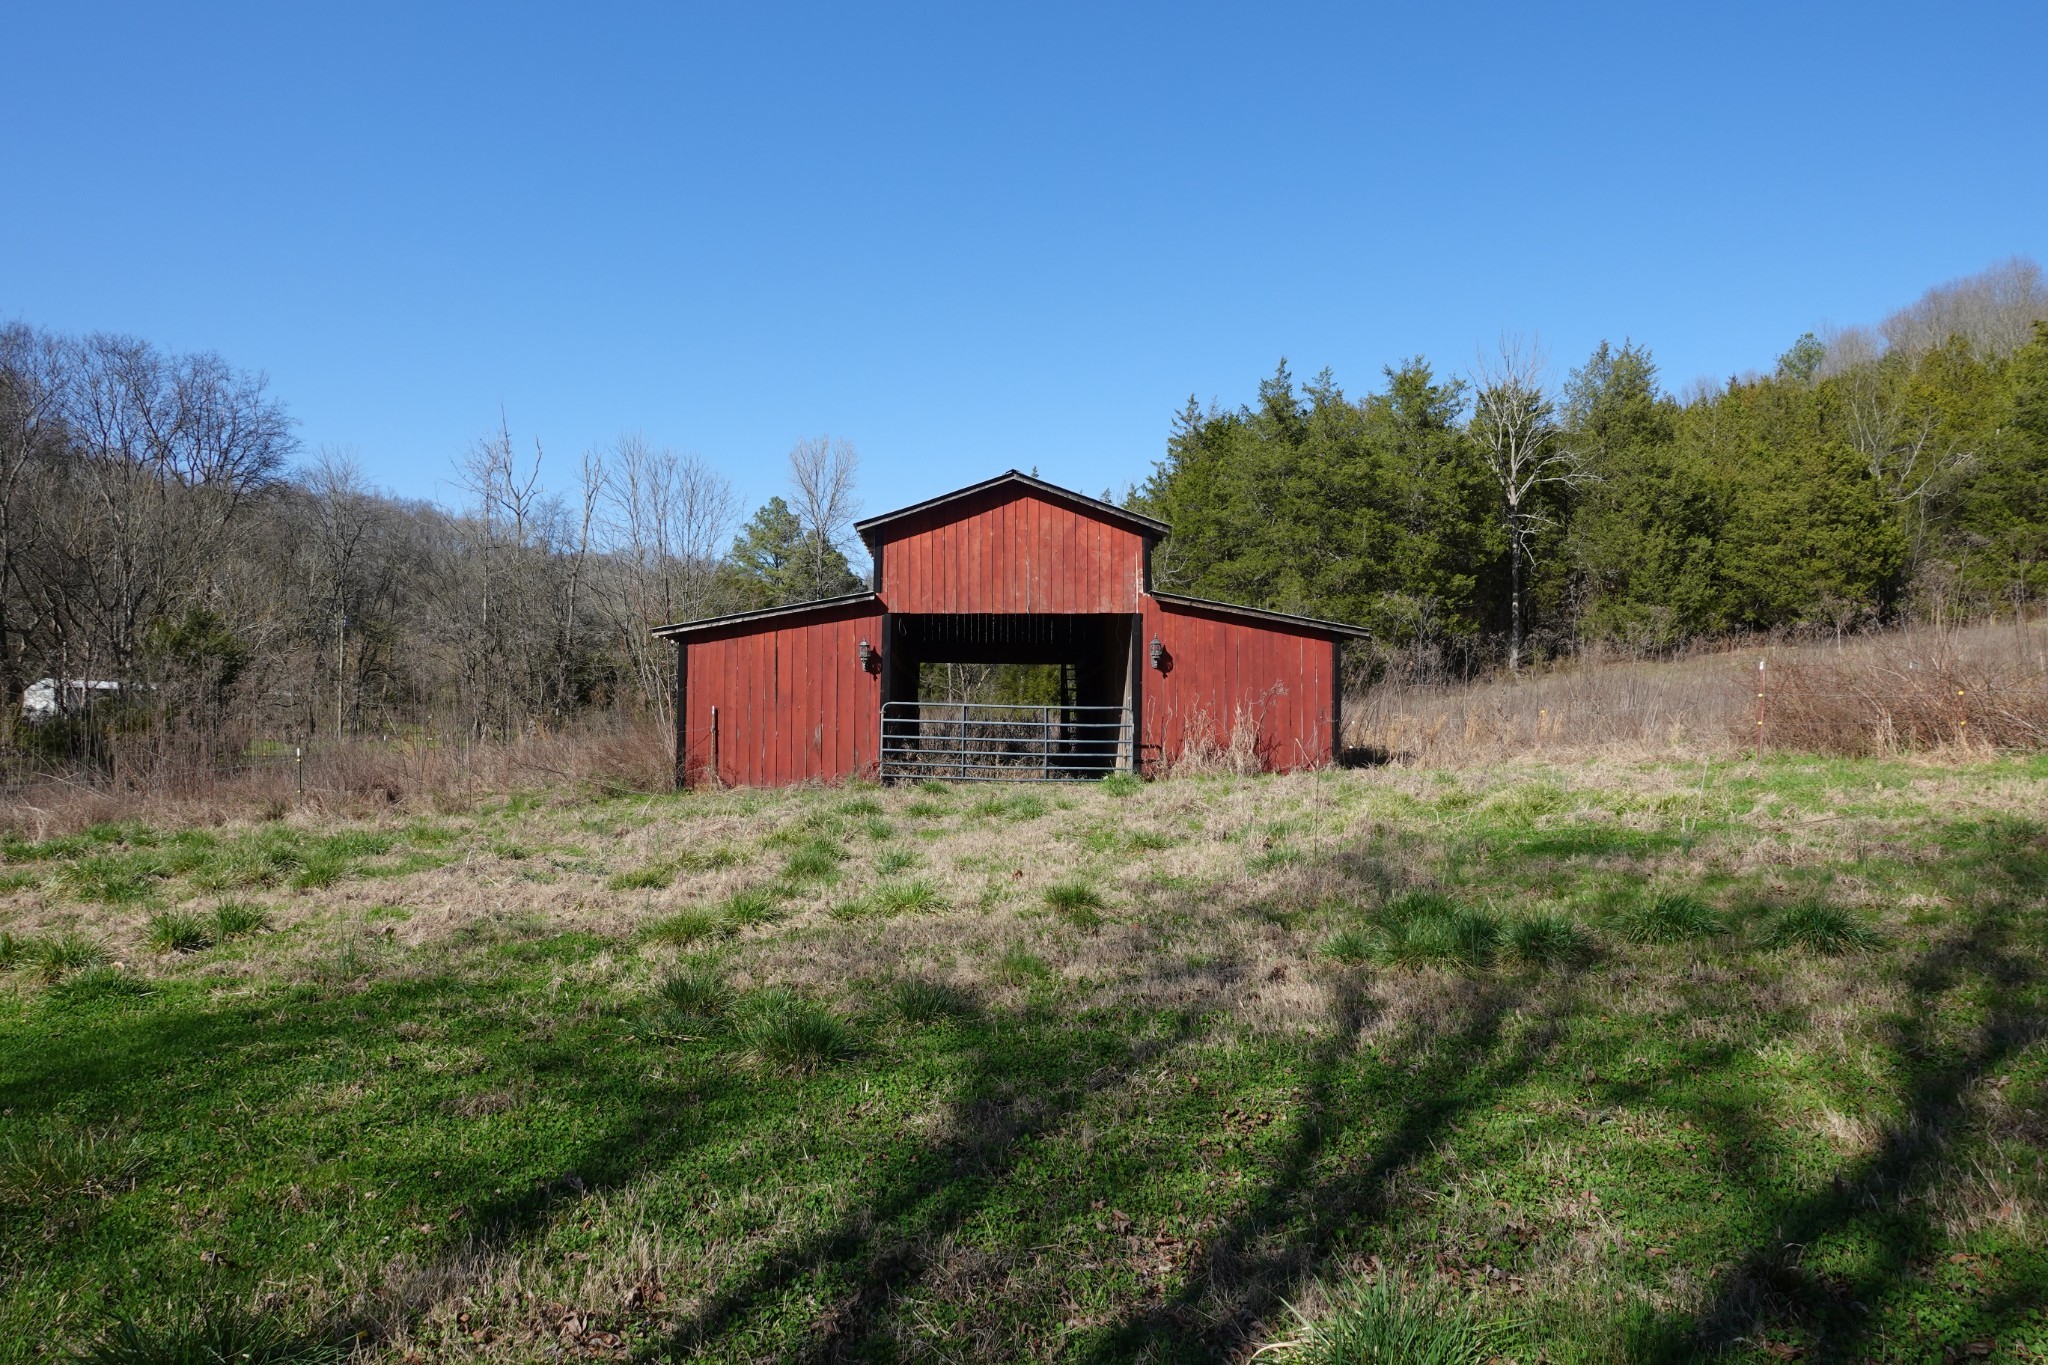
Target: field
{"x": 1647, "y": 1059}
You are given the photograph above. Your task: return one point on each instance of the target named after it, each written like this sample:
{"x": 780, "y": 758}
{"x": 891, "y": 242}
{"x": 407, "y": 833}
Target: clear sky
{"x": 969, "y": 237}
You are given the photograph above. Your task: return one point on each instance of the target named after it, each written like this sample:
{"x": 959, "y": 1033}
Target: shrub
{"x": 901, "y": 898}
{"x": 1377, "y": 1320}
{"x": 696, "y": 991}
{"x": 684, "y": 927}
{"x": 233, "y": 919}
{"x": 1547, "y": 940}
{"x": 786, "y": 1031}
{"x": 1667, "y": 919}
{"x": 1818, "y": 928}
{"x": 176, "y": 932}
{"x": 815, "y": 860}
{"x": 918, "y": 1000}
{"x": 67, "y": 953}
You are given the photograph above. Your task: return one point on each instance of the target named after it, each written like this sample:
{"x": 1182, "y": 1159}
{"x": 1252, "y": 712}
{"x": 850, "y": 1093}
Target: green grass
{"x": 1075, "y": 902}
{"x": 1379, "y": 1321}
{"x": 784, "y": 1031}
{"x": 238, "y": 919}
{"x": 1462, "y": 1081}
{"x": 1817, "y": 928}
{"x": 174, "y": 931}
{"x": 815, "y": 860}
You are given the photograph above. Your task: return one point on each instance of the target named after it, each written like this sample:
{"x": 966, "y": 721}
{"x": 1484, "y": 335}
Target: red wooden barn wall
{"x": 1010, "y": 550}
{"x": 793, "y": 702}
{"x": 1280, "y": 678}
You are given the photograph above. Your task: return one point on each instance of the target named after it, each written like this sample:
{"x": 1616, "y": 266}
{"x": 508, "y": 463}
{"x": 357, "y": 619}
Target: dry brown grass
{"x": 354, "y": 779}
{"x": 1983, "y": 686}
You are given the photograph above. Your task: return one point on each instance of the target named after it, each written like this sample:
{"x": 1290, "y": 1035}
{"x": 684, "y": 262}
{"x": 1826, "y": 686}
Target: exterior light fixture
{"x": 1158, "y": 653}
{"x": 867, "y": 657}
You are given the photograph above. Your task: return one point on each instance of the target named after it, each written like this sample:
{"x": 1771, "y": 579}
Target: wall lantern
{"x": 867, "y": 658}
{"x": 1158, "y": 654}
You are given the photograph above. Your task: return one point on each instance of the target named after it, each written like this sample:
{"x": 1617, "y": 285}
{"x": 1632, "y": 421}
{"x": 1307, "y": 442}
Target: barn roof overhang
{"x": 1108, "y": 511}
{"x": 824, "y": 606}
{"x": 1307, "y": 623}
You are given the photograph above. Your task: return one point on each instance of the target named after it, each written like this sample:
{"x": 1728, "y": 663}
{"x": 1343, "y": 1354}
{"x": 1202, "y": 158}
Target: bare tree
{"x": 667, "y": 516}
{"x": 1515, "y": 423}
{"x": 822, "y": 471}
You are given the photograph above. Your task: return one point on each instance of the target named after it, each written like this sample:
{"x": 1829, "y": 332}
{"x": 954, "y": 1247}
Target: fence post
{"x": 962, "y": 741}
{"x": 299, "y": 767}
{"x": 1759, "y": 710}
{"x": 717, "y": 778}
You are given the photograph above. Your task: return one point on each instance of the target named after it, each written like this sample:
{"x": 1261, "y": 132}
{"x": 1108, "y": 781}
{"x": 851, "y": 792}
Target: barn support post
{"x": 715, "y": 776}
{"x": 683, "y": 731}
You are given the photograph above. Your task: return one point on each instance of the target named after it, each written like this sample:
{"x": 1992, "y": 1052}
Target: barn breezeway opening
{"x": 1009, "y": 697}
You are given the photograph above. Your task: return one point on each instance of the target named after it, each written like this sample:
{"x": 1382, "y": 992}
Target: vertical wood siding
{"x": 793, "y": 703}
{"x": 1226, "y": 672}
{"x": 1012, "y": 550}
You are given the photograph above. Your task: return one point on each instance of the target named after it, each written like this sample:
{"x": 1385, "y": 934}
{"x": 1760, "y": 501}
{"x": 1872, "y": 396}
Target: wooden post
{"x": 717, "y": 778}
{"x": 1760, "y": 711}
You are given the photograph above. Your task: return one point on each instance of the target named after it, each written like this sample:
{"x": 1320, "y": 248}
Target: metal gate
{"x": 981, "y": 742}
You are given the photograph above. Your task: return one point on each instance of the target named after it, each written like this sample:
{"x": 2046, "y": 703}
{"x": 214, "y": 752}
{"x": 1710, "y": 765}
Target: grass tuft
{"x": 920, "y": 1000}
{"x": 235, "y": 919}
{"x": 40, "y": 1171}
{"x": 1019, "y": 967}
{"x": 755, "y": 905}
{"x": 1424, "y": 928}
{"x": 894, "y": 860}
{"x": 93, "y": 985}
{"x": 174, "y": 931}
{"x": 784, "y": 1031}
{"x": 685, "y": 927}
{"x": 697, "y": 991}
{"x": 216, "y": 1335}
{"x": 903, "y": 898}
{"x": 1121, "y": 785}
{"x": 1376, "y": 1320}
{"x": 16, "y": 949}
{"x": 652, "y": 877}
{"x": 1667, "y": 919}
{"x": 1075, "y": 902}
{"x": 67, "y": 953}
{"x": 1549, "y": 940}
{"x": 1353, "y": 947}
{"x": 1818, "y": 927}
{"x": 816, "y": 860}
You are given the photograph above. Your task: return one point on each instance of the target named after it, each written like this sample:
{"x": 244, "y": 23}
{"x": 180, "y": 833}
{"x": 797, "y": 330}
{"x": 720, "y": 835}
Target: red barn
{"x": 1010, "y": 571}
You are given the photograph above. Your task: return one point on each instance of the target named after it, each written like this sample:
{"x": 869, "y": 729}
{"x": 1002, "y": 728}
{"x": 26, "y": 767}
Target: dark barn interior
{"x": 1089, "y": 732}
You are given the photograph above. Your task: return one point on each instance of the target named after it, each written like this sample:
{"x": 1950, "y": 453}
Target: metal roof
{"x": 1053, "y": 490}
{"x": 1174, "y": 599}
{"x": 740, "y": 618}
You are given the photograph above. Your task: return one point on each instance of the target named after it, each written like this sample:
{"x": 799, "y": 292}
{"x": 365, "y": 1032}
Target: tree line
{"x": 161, "y": 527}
{"x": 158, "y": 528}
{"x": 1501, "y": 515}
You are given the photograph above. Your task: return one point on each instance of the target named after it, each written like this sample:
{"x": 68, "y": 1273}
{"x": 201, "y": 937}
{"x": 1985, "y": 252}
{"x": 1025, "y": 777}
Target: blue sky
{"x": 971, "y": 237}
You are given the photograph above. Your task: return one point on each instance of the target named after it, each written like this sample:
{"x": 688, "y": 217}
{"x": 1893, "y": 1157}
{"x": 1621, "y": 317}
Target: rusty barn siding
{"x": 793, "y": 703}
{"x": 1281, "y": 678}
{"x": 1007, "y": 551}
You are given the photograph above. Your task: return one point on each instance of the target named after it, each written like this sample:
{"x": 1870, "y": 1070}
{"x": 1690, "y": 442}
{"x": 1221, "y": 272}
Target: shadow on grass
{"x": 1999, "y": 871}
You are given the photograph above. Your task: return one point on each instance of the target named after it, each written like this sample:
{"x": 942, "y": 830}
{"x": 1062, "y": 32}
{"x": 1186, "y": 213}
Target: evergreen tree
{"x": 775, "y": 561}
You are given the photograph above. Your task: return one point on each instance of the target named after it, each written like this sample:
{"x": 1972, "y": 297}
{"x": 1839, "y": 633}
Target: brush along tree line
{"x": 155, "y": 530}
